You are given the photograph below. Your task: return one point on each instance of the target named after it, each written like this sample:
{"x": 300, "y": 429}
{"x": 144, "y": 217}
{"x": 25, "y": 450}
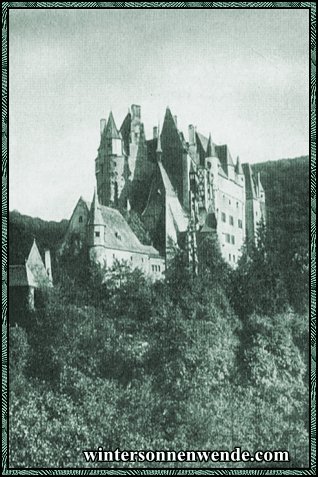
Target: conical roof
{"x": 111, "y": 130}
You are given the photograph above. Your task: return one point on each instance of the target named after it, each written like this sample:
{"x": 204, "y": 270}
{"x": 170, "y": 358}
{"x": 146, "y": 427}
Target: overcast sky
{"x": 240, "y": 74}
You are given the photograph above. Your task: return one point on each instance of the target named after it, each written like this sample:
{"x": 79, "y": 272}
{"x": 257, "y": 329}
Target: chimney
{"x": 155, "y": 132}
{"x": 48, "y": 265}
{"x": 191, "y": 134}
{"x": 102, "y": 125}
{"x": 135, "y": 111}
{"x": 175, "y": 120}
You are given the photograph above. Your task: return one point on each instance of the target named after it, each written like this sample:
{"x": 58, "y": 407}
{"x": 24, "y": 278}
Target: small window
{"x": 229, "y": 257}
{"x": 131, "y": 258}
{"x": 223, "y": 217}
{"x": 158, "y": 268}
{"x": 228, "y": 238}
{"x": 240, "y": 223}
{"x": 153, "y": 268}
{"x": 256, "y": 214}
{"x": 231, "y": 220}
{"x": 233, "y": 258}
{"x": 97, "y": 234}
{"x": 229, "y": 201}
{"x": 232, "y": 239}
{"x": 237, "y": 204}
{"x": 80, "y": 219}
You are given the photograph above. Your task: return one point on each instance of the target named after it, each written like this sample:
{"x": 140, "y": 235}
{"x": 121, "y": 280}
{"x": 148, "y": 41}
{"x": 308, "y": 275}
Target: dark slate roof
{"x": 111, "y": 130}
{"x": 173, "y": 206}
{"x": 203, "y": 140}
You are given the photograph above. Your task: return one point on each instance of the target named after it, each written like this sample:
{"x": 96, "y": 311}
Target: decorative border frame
{"x": 5, "y": 6}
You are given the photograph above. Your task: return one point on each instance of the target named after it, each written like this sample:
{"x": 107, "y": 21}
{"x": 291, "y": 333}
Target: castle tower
{"x": 110, "y": 164}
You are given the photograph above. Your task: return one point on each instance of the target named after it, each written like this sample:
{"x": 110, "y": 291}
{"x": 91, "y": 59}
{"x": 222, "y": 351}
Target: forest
{"x": 204, "y": 362}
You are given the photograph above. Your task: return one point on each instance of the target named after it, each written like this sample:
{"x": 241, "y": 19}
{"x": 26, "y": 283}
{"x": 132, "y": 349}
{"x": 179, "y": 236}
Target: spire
{"x": 111, "y": 128}
{"x": 95, "y": 216}
{"x": 210, "y": 147}
{"x": 238, "y": 167}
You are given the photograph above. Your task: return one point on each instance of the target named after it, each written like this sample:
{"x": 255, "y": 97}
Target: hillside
{"x": 286, "y": 185}
{"x": 23, "y": 229}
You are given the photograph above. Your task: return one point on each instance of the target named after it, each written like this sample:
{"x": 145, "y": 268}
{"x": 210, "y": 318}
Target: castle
{"x": 183, "y": 190}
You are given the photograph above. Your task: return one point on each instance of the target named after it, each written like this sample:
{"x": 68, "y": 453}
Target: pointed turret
{"x": 209, "y": 147}
{"x": 111, "y": 130}
{"x": 95, "y": 215}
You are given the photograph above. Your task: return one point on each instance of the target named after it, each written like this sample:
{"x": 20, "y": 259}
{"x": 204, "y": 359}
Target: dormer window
{"x": 117, "y": 235}
{"x": 80, "y": 219}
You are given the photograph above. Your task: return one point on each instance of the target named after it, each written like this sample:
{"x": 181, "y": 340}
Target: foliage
{"x": 170, "y": 357}
{"x": 258, "y": 283}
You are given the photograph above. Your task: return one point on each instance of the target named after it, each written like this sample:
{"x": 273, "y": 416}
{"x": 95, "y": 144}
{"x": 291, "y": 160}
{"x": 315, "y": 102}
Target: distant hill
{"x": 23, "y": 229}
{"x": 286, "y": 184}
